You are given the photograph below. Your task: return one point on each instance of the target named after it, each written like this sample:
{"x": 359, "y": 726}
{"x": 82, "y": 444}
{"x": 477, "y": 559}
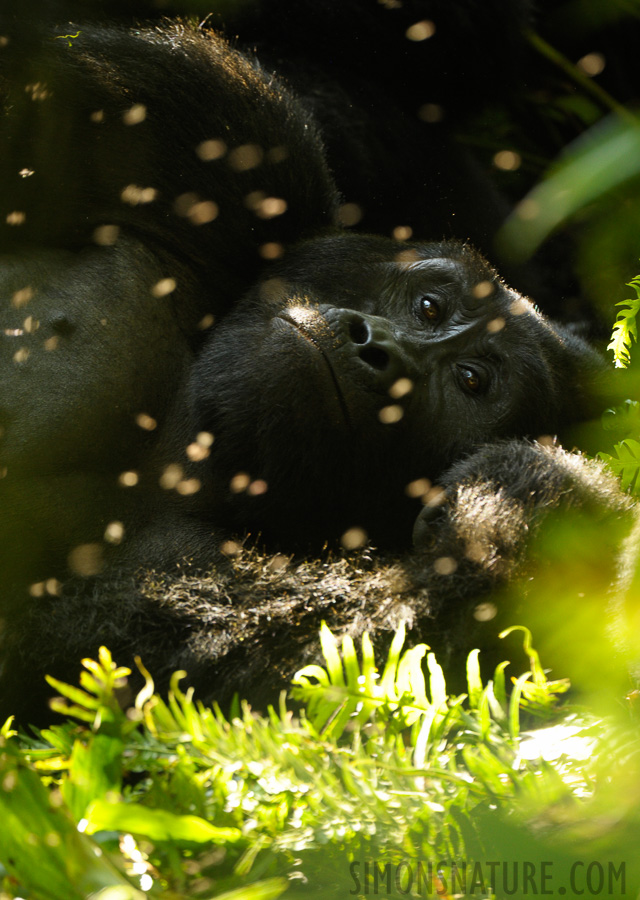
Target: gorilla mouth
{"x": 305, "y": 322}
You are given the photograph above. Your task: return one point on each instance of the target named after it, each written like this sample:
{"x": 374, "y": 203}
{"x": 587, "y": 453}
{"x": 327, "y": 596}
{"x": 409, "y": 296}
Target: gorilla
{"x": 194, "y": 350}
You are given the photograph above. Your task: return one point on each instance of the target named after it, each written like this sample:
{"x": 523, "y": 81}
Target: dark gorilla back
{"x": 164, "y": 132}
{"x": 192, "y": 349}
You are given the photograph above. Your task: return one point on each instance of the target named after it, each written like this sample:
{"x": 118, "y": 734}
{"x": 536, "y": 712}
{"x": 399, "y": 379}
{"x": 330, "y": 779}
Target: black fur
{"x": 340, "y": 380}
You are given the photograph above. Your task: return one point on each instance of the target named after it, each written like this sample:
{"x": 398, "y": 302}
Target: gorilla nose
{"x": 373, "y": 352}
{"x": 375, "y": 344}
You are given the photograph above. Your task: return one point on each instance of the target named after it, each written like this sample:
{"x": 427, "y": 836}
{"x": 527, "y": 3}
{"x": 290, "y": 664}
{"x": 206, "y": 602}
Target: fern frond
{"x": 625, "y": 329}
{"x": 626, "y": 464}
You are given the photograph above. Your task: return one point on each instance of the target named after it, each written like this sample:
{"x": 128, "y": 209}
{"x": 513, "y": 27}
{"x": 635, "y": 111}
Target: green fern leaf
{"x": 626, "y": 464}
{"x": 625, "y": 329}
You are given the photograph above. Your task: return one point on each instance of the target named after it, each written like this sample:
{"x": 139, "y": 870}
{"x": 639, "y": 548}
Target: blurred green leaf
{"x": 94, "y": 769}
{"x": 40, "y": 844}
{"x": 263, "y": 890}
{"x": 155, "y": 824}
{"x": 605, "y": 157}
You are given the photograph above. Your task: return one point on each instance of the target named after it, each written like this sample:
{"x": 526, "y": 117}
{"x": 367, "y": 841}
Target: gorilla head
{"x": 365, "y": 366}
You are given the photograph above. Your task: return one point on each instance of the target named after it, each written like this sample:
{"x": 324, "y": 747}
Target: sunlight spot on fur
{"x": 418, "y": 488}
{"x": 135, "y": 196}
{"x": 402, "y": 233}
{"x": 390, "y": 414}
{"x": 496, "y": 325}
{"x": 483, "y": 289}
{"x": 278, "y": 563}
{"x": 435, "y": 497}
{"x": 148, "y": 423}
{"x": 114, "y": 533}
{"x": 22, "y": 297}
{"x": 171, "y": 476}
{"x": 239, "y": 482}
{"x": 354, "y": 538}
{"x": 407, "y": 257}
{"x": 421, "y": 31}
{"x": 200, "y": 448}
{"x": 86, "y": 559}
{"x": 196, "y": 452}
{"x": 445, "y": 565}
{"x": 271, "y": 250}
{"x": 37, "y": 91}
{"x": 231, "y": 548}
{"x": 106, "y": 235}
{"x": 484, "y": 612}
{"x": 136, "y": 114}
{"x": 206, "y": 322}
{"x": 203, "y": 212}
{"x": 188, "y": 486}
{"x": 265, "y": 207}
{"x": 246, "y": 156}
{"x": 478, "y": 551}
{"x": 518, "y": 307}
{"x": 349, "y": 214}
{"x": 401, "y": 388}
{"x": 210, "y": 150}
{"x": 199, "y": 212}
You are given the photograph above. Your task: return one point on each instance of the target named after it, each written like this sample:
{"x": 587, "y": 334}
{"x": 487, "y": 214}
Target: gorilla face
{"x": 366, "y": 365}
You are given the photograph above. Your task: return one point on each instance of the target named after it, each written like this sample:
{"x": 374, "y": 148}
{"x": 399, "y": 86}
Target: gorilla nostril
{"x": 359, "y": 331}
{"x": 368, "y": 351}
{"x": 376, "y": 357}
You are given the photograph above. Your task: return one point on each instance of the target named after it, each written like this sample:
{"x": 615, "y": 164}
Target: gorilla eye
{"x": 429, "y": 308}
{"x": 470, "y": 379}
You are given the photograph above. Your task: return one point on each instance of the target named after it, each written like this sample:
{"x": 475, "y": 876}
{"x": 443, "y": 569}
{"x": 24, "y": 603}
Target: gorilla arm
{"x": 249, "y": 622}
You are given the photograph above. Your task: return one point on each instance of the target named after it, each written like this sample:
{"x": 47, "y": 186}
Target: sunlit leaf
{"x": 625, "y": 464}
{"x": 155, "y": 824}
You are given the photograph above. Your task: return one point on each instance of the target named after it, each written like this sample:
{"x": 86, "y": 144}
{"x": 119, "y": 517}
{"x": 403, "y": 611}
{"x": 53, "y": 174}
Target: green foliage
{"x": 603, "y": 159}
{"x": 589, "y": 177}
{"x": 351, "y": 696}
{"x": 624, "y": 421}
{"x": 625, "y": 464}
{"x": 625, "y": 329}
{"x": 171, "y": 798}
